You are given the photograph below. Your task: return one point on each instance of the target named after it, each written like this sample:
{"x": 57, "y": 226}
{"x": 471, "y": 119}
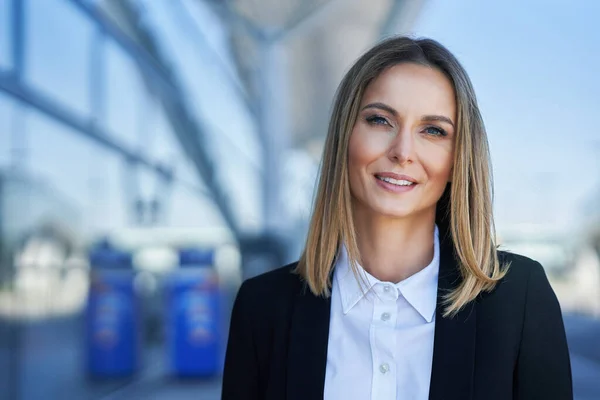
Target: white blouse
{"x": 381, "y": 342}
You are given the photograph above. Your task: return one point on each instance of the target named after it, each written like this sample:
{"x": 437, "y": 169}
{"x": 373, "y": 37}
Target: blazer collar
{"x": 453, "y": 349}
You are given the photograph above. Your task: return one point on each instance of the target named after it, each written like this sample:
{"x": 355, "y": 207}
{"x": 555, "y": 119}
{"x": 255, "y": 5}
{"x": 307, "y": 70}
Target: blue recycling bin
{"x": 112, "y": 317}
{"x": 194, "y": 331}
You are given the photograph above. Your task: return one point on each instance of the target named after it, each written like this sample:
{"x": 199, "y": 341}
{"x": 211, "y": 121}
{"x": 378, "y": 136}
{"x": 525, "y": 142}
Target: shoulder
{"x": 271, "y": 292}
{"x": 522, "y": 271}
{"x": 531, "y": 274}
{"x": 280, "y": 281}
{"x": 516, "y": 301}
{"x": 524, "y": 276}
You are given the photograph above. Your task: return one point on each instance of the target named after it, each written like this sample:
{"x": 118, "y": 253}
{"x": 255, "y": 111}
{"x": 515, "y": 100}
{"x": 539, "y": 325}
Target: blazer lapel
{"x": 454, "y": 339}
{"x": 309, "y": 335}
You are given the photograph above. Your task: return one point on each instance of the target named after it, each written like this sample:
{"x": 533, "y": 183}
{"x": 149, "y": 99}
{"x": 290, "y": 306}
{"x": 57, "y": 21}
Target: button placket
{"x": 384, "y": 341}
{"x": 385, "y": 307}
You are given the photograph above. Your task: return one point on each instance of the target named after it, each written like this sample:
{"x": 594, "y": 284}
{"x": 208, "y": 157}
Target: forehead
{"x": 414, "y": 88}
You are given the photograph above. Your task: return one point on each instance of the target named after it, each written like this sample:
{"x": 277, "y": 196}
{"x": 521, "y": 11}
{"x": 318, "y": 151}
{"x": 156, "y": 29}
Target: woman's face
{"x": 401, "y": 148}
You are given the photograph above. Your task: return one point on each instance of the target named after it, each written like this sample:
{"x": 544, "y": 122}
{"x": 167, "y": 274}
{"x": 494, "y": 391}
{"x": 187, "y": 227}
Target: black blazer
{"x": 508, "y": 344}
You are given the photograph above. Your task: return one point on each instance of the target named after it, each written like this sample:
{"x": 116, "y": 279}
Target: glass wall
{"x": 87, "y": 152}
{"x": 226, "y": 120}
{"x": 59, "y": 74}
{"x": 96, "y": 179}
{"x": 128, "y": 116}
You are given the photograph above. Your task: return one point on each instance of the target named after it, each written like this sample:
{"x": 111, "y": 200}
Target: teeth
{"x": 393, "y": 181}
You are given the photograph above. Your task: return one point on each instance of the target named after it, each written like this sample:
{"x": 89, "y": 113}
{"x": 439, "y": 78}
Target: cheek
{"x": 439, "y": 165}
{"x": 360, "y": 155}
{"x": 354, "y": 163}
{"x": 356, "y": 154}
{"x": 363, "y": 148}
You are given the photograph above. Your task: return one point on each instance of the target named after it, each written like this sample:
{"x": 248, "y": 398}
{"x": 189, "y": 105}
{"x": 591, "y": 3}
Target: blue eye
{"x": 435, "y": 131}
{"x": 376, "y": 120}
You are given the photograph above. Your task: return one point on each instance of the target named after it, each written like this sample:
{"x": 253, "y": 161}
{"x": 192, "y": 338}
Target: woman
{"x": 400, "y": 292}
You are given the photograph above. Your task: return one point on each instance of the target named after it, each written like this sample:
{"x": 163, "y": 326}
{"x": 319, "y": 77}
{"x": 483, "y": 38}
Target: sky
{"x": 534, "y": 66}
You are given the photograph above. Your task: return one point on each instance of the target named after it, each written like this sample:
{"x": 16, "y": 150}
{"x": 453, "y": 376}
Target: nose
{"x": 402, "y": 147}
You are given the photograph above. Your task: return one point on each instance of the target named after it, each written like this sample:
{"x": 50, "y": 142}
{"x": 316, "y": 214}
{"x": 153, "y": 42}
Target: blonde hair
{"x": 465, "y": 209}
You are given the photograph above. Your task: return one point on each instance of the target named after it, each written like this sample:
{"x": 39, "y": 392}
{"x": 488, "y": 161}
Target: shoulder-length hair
{"x": 466, "y": 205}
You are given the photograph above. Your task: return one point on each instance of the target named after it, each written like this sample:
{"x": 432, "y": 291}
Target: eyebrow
{"x": 439, "y": 118}
{"x": 425, "y": 118}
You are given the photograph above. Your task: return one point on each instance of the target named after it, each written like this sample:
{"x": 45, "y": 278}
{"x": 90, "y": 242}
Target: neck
{"x": 393, "y": 249}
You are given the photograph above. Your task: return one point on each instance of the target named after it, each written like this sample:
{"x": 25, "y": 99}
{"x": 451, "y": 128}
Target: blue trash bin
{"x": 193, "y": 316}
{"x": 112, "y": 317}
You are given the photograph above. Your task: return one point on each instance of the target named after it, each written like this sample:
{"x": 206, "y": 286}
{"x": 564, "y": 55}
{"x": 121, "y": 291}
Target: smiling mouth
{"x": 397, "y": 182}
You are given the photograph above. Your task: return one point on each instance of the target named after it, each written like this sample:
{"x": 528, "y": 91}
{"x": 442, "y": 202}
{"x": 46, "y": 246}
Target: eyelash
{"x": 379, "y": 120}
{"x": 440, "y": 131}
{"x": 372, "y": 120}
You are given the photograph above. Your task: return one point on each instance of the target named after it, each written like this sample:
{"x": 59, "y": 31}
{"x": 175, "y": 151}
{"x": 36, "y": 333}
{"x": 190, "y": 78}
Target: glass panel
{"x": 186, "y": 171}
{"x": 164, "y": 145}
{"x": 166, "y": 149}
{"x": 126, "y": 110}
{"x": 57, "y": 52}
{"x": 59, "y": 156}
{"x": 48, "y": 190}
{"x": 243, "y": 188}
{"x": 108, "y": 206}
{"x": 215, "y": 99}
{"x": 6, "y": 117}
{"x": 187, "y": 209}
{"x": 89, "y": 176}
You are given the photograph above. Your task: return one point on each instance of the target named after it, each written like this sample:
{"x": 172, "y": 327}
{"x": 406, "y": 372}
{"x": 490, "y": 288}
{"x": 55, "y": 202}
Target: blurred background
{"x": 155, "y": 153}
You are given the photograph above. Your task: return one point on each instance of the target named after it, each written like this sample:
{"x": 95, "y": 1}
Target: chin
{"x": 398, "y": 214}
{"x": 394, "y": 212}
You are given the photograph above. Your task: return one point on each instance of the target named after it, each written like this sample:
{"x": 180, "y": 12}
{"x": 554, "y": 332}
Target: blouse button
{"x": 385, "y": 367}
{"x": 386, "y": 288}
{"x": 385, "y": 316}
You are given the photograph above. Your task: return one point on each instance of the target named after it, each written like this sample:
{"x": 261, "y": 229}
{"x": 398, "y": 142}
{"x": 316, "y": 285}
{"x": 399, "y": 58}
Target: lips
{"x": 396, "y": 182}
{"x": 395, "y": 177}
{"x": 394, "y": 185}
